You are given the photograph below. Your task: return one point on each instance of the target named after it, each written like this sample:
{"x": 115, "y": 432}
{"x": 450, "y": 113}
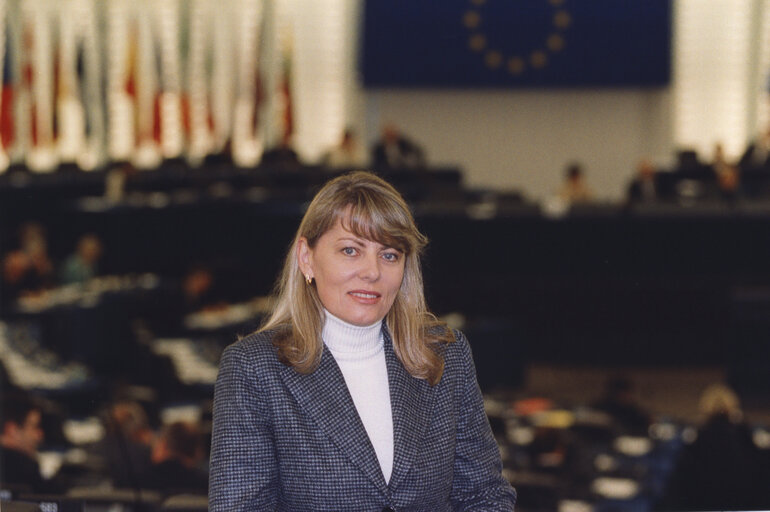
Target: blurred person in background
{"x": 719, "y": 161}
{"x": 643, "y": 188}
{"x": 619, "y": 401}
{"x": 199, "y": 291}
{"x": 757, "y": 154}
{"x": 721, "y": 469}
{"x": 395, "y": 151}
{"x": 176, "y": 458}
{"x": 127, "y": 443}
{"x": 574, "y": 189}
{"x": 729, "y": 183}
{"x": 28, "y": 270}
{"x": 346, "y": 153}
{"x": 82, "y": 265}
{"x": 727, "y": 175}
{"x": 282, "y": 156}
{"x": 20, "y": 439}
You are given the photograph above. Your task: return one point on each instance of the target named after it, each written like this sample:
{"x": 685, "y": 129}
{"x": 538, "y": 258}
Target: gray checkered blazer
{"x": 286, "y": 441}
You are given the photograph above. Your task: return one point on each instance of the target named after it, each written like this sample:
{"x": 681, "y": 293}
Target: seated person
{"x": 27, "y": 270}
{"x": 346, "y": 153}
{"x": 757, "y": 153}
{"x": 396, "y": 151}
{"x": 283, "y": 155}
{"x": 729, "y": 182}
{"x": 721, "y": 469}
{"x": 81, "y": 266}
{"x": 126, "y": 446}
{"x": 176, "y": 457}
{"x": 575, "y": 190}
{"x": 643, "y": 188}
{"x": 199, "y": 291}
{"x": 727, "y": 175}
{"x": 619, "y": 401}
{"x": 20, "y": 438}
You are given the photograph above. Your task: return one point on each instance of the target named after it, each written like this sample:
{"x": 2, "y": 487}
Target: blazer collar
{"x": 324, "y": 395}
{"x": 411, "y": 400}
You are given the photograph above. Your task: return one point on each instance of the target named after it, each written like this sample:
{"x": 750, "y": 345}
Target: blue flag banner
{"x": 516, "y": 43}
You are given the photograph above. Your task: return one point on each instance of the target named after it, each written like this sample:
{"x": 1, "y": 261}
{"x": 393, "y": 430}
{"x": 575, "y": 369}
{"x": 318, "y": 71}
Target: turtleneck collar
{"x": 351, "y": 342}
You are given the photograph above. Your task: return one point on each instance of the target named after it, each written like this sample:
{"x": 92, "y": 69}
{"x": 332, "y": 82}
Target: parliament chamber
{"x": 593, "y": 179}
{"x": 651, "y": 290}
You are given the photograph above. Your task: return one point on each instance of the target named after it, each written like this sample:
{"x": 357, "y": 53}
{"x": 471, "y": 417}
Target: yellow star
{"x": 538, "y": 59}
{"x": 555, "y": 42}
{"x": 562, "y": 19}
{"x": 493, "y": 59}
{"x": 516, "y": 65}
{"x": 477, "y": 42}
{"x": 471, "y": 19}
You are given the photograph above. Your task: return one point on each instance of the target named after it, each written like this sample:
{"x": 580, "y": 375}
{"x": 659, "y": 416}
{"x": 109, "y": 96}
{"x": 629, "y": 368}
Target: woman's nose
{"x": 370, "y": 268}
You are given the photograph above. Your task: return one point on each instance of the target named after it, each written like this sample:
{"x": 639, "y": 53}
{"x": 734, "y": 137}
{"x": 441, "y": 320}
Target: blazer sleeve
{"x": 243, "y": 470}
{"x": 478, "y": 481}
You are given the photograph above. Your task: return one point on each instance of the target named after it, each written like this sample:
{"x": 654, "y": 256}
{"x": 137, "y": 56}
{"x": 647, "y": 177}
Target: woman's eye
{"x": 390, "y": 256}
{"x": 349, "y": 251}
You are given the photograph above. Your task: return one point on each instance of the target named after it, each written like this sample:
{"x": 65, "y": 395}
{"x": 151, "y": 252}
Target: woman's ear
{"x": 304, "y": 258}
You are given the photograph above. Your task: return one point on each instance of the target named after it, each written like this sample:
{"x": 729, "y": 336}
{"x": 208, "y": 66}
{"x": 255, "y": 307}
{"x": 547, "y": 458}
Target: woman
{"x": 352, "y": 396}
{"x": 722, "y": 469}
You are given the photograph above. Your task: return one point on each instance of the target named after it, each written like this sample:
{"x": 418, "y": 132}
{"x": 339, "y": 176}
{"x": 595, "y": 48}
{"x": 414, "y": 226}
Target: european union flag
{"x": 517, "y": 43}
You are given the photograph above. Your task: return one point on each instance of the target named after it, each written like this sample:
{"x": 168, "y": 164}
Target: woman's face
{"x": 357, "y": 279}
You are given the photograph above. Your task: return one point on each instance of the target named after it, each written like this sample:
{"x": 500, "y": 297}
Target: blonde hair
{"x": 372, "y": 209}
{"x": 720, "y": 399}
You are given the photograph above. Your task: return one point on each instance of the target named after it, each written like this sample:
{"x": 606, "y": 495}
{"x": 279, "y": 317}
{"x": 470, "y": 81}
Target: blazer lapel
{"x": 411, "y": 400}
{"x": 324, "y": 395}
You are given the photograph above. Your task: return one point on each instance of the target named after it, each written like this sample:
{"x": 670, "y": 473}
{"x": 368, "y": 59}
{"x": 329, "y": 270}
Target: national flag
{"x": 7, "y": 91}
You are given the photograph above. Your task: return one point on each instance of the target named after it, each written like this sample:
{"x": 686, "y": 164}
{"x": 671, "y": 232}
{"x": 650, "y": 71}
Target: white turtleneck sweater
{"x": 360, "y": 355}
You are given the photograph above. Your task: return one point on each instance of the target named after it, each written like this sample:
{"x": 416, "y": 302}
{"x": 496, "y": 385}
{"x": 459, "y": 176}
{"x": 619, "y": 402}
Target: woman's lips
{"x": 364, "y": 296}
